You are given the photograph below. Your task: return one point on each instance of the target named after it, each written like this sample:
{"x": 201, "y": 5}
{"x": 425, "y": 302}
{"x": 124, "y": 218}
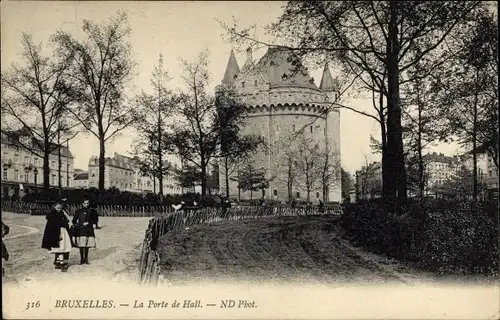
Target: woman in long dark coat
{"x": 56, "y": 236}
{"x": 84, "y": 231}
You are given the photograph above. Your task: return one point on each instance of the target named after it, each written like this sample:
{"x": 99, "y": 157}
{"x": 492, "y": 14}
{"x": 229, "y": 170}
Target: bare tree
{"x": 330, "y": 170}
{"x": 196, "y": 134}
{"x": 151, "y": 145}
{"x": 35, "y": 98}
{"x": 308, "y": 165}
{"x": 101, "y": 70}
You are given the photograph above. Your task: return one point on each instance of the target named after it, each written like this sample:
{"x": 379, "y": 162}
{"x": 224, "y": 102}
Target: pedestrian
{"x": 94, "y": 217}
{"x": 56, "y": 236}
{"x": 84, "y": 231}
{"x": 5, "y": 253}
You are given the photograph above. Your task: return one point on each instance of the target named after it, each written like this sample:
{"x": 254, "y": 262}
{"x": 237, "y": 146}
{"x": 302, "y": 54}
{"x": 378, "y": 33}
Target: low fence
{"x": 150, "y": 272}
{"x": 103, "y": 210}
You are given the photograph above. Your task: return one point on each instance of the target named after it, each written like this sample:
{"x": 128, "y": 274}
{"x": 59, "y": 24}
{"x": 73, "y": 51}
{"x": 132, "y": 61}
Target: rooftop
{"x": 15, "y": 138}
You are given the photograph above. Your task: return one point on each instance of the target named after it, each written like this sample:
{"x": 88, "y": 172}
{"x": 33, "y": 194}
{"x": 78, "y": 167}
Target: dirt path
{"x": 289, "y": 249}
{"x": 115, "y": 258}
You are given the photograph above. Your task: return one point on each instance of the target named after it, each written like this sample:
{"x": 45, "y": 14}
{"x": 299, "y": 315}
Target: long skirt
{"x": 85, "y": 242}
{"x": 64, "y": 243}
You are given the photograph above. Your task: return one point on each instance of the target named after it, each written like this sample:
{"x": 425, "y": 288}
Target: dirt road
{"x": 114, "y": 259}
{"x": 290, "y": 249}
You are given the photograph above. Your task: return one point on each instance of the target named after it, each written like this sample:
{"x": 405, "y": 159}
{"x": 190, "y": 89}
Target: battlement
{"x": 304, "y": 109}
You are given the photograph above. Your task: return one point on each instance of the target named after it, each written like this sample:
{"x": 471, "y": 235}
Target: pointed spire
{"x": 327, "y": 82}
{"x": 232, "y": 69}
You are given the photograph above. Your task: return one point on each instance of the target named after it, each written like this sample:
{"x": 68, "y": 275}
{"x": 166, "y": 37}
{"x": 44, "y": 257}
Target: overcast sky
{"x": 174, "y": 29}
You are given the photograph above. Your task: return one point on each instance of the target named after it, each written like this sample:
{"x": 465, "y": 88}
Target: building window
{"x": 53, "y": 164}
{"x": 5, "y": 175}
{"x": 317, "y": 195}
{"x": 35, "y": 162}
{"x": 54, "y": 180}
{"x": 311, "y": 128}
{"x": 16, "y": 158}
{"x": 26, "y": 177}
{"x": 26, "y": 160}
{"x": 243, "y": 84}
{"x": 255, "y": 83}
{"x": 298, "y": 194}
{"x": 324, "y": 131}
{"x": 16, "y": 175}
{"x": 293, "y": 128}
{"x": 275, "y": 192}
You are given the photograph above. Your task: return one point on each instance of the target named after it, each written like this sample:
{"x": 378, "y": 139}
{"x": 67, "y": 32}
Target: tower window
{"x": 311, "y": 128}
{"x": 255, "y": 83}
{"x": 243, "y": 84}
{"x": 293, "y": 128}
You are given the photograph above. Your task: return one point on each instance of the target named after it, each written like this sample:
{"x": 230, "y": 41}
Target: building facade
{"x": 22, "y": 168}
{"x": 281, "y": 100}
{"x": 369, "y": 181}
{"x": 123, "y": 172}
{"x": 492, "y": 177}
{"x": 81, "y": 179}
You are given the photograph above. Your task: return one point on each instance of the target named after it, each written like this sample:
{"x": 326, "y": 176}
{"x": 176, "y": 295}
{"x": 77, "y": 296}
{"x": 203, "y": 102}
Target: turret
{"x": 328, "y": 84}
{"x": 232, "y": 70}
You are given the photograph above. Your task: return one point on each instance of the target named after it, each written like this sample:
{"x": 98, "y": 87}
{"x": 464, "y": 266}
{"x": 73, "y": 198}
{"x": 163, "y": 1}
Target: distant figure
{"x": 56, "y": 236}
{"x": 84, "y": 231}
{"x": 320, "y": 205}
{"x": 94, "y": 217}
{"x": 178, "y": 207}
{"x": 5, "y": 253}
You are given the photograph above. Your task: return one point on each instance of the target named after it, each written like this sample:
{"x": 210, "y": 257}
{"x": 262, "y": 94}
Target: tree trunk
{"x": 383, "y": 131}
{"x": 203, "y": 178}
{"x": 421, "y": 182}
{"x": 59, "y": 164}
{"x": 160, "y": 157}
{"x": 397, "y": 174}
{"x": 102, "y": 162}
{"x": 46, "y": 168}
{"x": 474, "y": 140}
{"x": 226, "y": 174}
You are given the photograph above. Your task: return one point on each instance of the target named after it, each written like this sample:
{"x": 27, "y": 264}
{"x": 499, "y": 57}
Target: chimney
{"x": 249, "y": 54}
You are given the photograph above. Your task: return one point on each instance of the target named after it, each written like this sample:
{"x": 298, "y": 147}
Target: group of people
{"x": 63, "y": 233}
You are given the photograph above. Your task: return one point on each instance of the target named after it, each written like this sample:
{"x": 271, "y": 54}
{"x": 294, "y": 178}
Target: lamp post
{"x": 35, "y": 172}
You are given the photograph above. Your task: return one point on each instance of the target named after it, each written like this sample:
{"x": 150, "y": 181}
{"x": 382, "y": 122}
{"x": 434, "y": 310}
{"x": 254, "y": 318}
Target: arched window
{"x": 255, "y": 83}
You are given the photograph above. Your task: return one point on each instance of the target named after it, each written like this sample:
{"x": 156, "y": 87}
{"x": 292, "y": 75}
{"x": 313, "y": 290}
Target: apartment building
{"x": 22, "y": 168}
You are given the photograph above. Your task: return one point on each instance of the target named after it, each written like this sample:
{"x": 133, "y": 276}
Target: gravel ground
{"x": 284, "y": 250}
{"x": 115, "y": 258}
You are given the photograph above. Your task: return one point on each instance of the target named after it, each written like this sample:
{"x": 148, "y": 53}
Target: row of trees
{"x": 430, "y": 67}
{"x": 303, "y": 164}
{"x": 81, "y": 85}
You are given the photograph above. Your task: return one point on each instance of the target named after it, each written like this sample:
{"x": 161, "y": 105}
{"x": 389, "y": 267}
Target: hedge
{"x": 444, "y": 237}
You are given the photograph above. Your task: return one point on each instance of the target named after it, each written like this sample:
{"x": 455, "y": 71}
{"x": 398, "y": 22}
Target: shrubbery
{"x": 114, "y": 196}
{"x": 442, "y": 236}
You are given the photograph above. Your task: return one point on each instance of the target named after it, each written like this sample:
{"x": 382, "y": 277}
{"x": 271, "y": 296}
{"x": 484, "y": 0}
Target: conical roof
{"x": 232, "y": 69}
{"x": 327, "y": 82}
{"x": 282, "y": 68}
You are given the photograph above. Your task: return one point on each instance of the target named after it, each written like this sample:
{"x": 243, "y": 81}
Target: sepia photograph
{"x": 250, "y": 160}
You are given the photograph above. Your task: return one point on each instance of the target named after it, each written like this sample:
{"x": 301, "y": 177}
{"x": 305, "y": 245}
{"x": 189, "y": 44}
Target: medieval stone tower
{"x": 281, "y": 99}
